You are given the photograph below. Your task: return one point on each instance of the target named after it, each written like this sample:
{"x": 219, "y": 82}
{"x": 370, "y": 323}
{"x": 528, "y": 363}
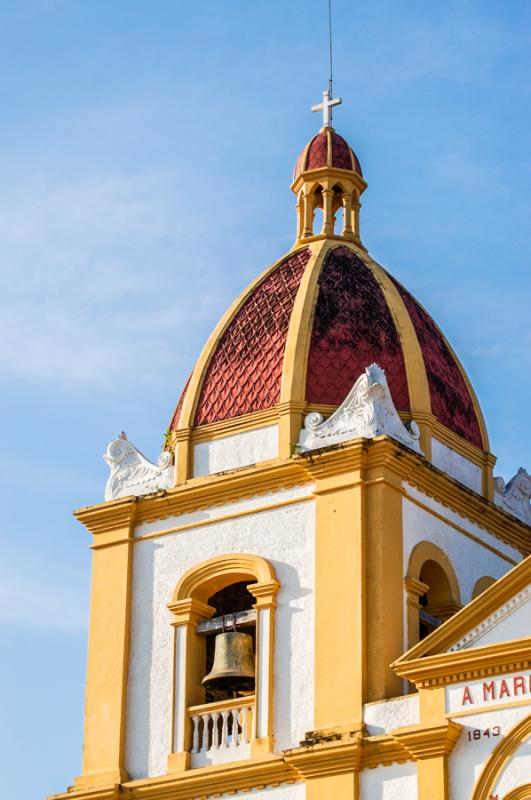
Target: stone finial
{"x": 367, "y": 411}
{"x": 132, "y": 473}
{"x": 515, "y": 496}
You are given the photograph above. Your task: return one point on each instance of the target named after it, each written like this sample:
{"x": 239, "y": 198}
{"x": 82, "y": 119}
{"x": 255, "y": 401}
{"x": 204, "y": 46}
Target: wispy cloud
{"x": 46, "y": 596}
{"x": 90, "y": 277}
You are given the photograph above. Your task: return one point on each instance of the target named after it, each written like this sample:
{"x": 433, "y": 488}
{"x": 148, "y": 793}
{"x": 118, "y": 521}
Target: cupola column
{"x": 356, "y": 219}
{"x": 307, "y": 201}
{"x": 328, "y": 221}
{"x": 300, "y": 214}
{"x": 347, "y": 214}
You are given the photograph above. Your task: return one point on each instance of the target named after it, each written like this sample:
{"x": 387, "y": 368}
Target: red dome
{"x": 353, "y": 326}
{"x": 327, "y": 149}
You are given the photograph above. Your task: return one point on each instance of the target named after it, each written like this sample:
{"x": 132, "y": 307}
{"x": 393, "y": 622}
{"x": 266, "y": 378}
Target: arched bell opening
{"x": 432, "y": 590}
{"x": 230, "y": 644}
{"x": 437, "y": 604}
{"x": 228, "y": 594}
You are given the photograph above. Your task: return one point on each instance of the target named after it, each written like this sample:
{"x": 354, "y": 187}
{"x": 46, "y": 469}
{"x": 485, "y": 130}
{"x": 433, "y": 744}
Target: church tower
{"x": 325, "y": 504}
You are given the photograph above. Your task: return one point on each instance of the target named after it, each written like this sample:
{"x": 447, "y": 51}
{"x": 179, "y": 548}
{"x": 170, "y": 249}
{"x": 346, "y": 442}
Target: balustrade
{"x": 221, "y": 731}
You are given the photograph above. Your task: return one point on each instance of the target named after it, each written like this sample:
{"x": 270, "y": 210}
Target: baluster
{"x": 195, "y": 737}
{"x": 215, "y": 729}
{"x": 235, "y": 731}
{"x": 245, "y": 719}
{"x": 204, "y": 743}
{"x": 224, "y": 729}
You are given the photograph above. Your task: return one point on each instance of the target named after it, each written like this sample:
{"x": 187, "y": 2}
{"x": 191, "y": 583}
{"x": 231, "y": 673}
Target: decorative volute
{"x": 328, "y": 176}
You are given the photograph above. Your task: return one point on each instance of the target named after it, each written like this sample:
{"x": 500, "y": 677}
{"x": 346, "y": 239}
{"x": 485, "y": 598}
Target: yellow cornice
{"x": 336, "y": 754}
{"x": 235, "y": 425}
{"x": 216, "y": 780}
{"x": 422, "y": 742}
{"x": 312, "y": 176}
{"x": 330, "y": 754}
{"x": 112, "y": 521}
{"x": 382, "y": 750}
{"x": 467, "y": 664}
{"x": 335, "y": 463}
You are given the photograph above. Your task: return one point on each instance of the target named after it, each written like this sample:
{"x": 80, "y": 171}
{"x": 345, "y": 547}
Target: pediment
{"x": 500, "y": 615}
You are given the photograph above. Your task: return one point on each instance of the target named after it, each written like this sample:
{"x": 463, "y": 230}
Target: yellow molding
{"x": 221, "y": 705}
{"x": 339, "y": 754}
{"x": 464, "y": 665}
{"x": 299, "y": 332}
{"x": 189, "y": 611}
{"x": 293, "y": 385}
{"x": 332, "y": 175}
{"x": 335, "y": 462}
{"x": 383, "y": 750}
{"x": 429, "y": 742}
{"x": 521, "y": 793}
{"x": 205, "y": 579}
{"x": 419, "y": 393}
{"x": 215, "y": 780}
{"x": 456, "y": 442}
{"x": 108, "y": 517}
{"x": 235, "y": 425}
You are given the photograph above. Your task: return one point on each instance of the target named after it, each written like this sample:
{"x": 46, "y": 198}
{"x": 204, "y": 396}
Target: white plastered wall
{"x": 396, "y": 782}
{"x": 386, "y": 715}
{"x": 456, "y": 465}
{"x": 285, "y": 536}
{"x": 469, "y": 547}
{"x": 239, "y": 450}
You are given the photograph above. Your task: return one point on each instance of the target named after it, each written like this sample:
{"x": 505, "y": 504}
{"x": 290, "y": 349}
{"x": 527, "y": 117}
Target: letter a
{"x": 467, "y": 697}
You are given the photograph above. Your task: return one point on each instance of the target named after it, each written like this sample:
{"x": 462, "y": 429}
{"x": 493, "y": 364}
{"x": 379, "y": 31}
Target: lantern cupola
{"x": 328, "y": 177}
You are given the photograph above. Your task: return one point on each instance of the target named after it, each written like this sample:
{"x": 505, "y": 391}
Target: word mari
{"x": 497, "y": 689}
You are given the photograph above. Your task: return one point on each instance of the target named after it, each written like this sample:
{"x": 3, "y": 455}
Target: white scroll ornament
{"x": 367, "y": 411}
{"x": 132, "y": 473}
{"x": 515, "y": 496}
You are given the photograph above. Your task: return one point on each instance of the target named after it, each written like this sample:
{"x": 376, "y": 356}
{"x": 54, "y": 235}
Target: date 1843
{"x": 478, "y": 733}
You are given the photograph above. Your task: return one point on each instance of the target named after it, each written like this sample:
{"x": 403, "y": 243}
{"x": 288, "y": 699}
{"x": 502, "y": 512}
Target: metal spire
{"x": 328, "y": 99}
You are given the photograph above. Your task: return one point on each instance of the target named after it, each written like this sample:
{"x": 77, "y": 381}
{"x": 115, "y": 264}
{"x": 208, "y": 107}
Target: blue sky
{"x": 147, "y": 149}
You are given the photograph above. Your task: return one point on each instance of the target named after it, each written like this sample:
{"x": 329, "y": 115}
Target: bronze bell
{"x": 233, "y": 666}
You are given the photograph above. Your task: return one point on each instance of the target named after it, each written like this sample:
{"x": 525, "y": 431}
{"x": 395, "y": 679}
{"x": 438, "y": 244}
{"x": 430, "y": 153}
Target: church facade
{"x": 320, "y": 590}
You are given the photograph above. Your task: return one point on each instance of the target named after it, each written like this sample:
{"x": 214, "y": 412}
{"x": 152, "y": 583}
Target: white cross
{"x": 326, "y": 108}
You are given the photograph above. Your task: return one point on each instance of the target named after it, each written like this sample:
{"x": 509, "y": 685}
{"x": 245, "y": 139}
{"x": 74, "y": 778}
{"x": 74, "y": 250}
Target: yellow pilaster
{"x": 108, "y": 643}
{"x": 333, "y": 787}
{"x": 384, "y": 548}
{"x": 183, "y": 455}
{"x": 339, "y": 602}
{"x": 430, "y": 744}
